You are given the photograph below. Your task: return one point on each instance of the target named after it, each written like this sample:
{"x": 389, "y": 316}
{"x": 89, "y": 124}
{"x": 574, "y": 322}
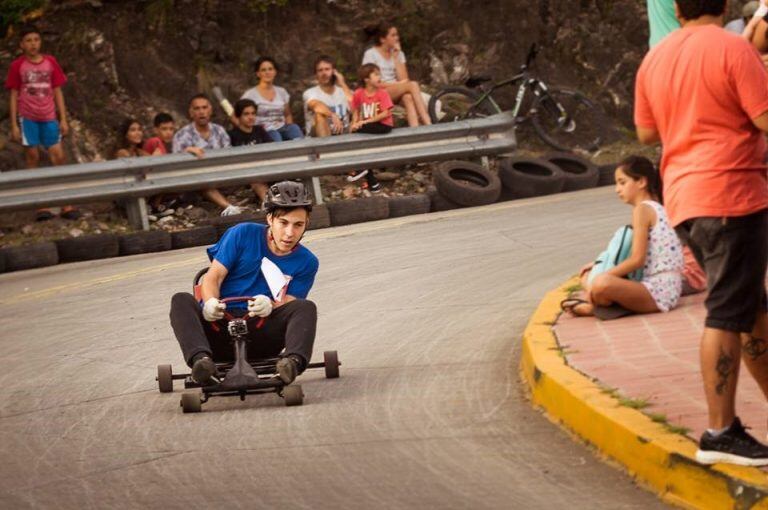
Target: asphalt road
{"x": 426, "y": 313}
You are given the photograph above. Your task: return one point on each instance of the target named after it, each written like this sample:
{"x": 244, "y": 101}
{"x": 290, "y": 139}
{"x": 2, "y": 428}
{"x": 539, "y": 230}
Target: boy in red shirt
{"x": 162, "y": 142}
{"x": 35, "y": 82}
{"x": 371, "y": 113}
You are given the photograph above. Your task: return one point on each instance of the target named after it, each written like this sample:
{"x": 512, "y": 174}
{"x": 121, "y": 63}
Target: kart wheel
{"x": 190, "y": 402}
{"x": 293, "y": 395}
{"x": 165, "y": 378}
{"x": 331, "y": 359}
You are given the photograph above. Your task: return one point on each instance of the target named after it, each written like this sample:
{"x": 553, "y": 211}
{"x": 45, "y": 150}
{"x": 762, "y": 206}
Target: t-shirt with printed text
{"x": 35, "y": 82}
{"x": 370, "y": 106}
{"x": 241, "y": 250}
{"x": 336, "y": 102}
{"x": 699, "y": 88}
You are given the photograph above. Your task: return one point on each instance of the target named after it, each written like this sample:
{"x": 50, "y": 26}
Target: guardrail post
{"x": 317, "y": 190}
{"x": 136, "y": 208}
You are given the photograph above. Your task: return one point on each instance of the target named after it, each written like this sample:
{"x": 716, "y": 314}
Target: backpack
{"x": 618, "y": 251}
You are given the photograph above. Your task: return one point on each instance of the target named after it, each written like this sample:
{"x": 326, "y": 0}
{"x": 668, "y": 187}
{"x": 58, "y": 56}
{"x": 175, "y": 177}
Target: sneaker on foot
{"x": 70, "y": 212}
{"x": 354, "y": 176}
{"x": 203, "y": 370}
{"x": 43, "y": 215}
{"x": 734, "y": 446}
{"x": 375, "y": 187}
{"x": 287, "y": 369}
{"x": 231, "y": 210}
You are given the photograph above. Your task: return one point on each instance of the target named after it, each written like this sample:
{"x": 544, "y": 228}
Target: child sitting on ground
{"x": 655, "y": 249}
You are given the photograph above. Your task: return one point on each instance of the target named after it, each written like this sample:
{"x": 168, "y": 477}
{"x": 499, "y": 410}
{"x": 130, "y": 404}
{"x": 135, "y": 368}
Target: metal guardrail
{"x": 134, "y": 179}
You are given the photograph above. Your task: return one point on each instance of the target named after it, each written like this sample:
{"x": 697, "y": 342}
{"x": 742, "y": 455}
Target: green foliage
{"x": 13, "y": 11}
{"x": 574, "y": 288}
{"x": 264, "y": 5}
{"x": 633, "y": 403}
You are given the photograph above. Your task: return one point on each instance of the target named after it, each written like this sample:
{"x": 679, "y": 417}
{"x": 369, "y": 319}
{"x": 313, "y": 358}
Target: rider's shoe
{"x": 287, "y": 369}
{"x": 203, "y": 370}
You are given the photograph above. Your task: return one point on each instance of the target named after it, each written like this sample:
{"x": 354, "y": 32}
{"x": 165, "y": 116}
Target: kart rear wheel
{"x": 293, "y": 395}
{"x": 332, "y": 364}
{"x": 165, "y": 378}
{"x": 190, "y": 402}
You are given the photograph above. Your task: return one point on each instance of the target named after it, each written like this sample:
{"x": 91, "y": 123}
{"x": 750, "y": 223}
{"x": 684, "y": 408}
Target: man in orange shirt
{"x": 703, "y": 93}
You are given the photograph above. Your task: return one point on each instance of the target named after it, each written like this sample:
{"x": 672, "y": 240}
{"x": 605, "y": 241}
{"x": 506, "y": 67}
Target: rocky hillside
{"x": 126, "y": 57}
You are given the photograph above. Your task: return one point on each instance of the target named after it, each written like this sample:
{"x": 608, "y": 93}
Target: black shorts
{"x": 733, "y": 251}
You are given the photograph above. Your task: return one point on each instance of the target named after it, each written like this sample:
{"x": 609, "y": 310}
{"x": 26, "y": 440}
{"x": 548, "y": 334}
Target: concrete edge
{"x": 661, "y": 460}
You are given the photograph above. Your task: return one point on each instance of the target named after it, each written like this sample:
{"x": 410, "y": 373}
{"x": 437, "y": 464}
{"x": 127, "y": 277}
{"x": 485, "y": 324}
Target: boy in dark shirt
{"x": 248, "y": 133}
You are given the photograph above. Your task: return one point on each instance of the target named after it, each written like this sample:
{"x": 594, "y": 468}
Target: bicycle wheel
{"x": 458, "y": 103}
{"x": 567, "y": 120}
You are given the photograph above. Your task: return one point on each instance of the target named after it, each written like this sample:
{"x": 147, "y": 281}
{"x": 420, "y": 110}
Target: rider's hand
{"x": 213, "y": 310}
{"x": 259, "y": 306}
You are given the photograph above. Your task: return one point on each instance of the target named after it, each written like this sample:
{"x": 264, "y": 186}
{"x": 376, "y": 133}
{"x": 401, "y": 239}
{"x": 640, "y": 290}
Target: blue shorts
{"x": 34, "y": 133}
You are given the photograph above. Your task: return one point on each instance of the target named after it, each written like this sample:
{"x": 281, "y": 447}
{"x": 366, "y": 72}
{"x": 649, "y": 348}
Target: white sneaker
{"x": 231, "y": 210}
{"x": 354, "y": 176}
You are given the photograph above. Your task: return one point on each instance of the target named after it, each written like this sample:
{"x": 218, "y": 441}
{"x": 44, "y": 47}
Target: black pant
{"x": 290, "y": 326}
{"x": 734, "y": 253}
{"x": 375, "y": 128}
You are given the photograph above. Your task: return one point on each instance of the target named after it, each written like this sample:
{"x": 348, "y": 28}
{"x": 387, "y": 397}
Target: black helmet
{"x": 288, "y": 195}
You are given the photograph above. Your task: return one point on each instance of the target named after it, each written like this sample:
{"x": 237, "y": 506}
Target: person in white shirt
{"x": 326, "y": 105}
{"x": 273, "y": 111}
{"x": 387, "y": 54}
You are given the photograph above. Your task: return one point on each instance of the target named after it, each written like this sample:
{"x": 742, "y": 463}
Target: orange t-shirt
{"x": 700, "y": 87}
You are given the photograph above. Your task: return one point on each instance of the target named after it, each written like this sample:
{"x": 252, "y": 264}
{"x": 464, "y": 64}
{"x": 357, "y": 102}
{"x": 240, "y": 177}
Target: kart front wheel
{"x": 165, "y": 378}
{"x": 293, "y": 395}
{"x": 190, "y": 402}
{"x": 332, "y": 364}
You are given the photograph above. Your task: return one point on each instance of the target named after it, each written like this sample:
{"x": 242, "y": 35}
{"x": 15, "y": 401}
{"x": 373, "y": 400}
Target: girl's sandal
{"x": 570, "y": 305}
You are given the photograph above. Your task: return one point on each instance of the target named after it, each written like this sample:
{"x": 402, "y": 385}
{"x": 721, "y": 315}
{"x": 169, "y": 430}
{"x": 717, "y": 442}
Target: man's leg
{"x": 31, "y": 157}
{"x": 56, "y": 152}
{"x": 186, "y": 321}
{"x": 322, "y": 127}
{"x": 754, "y": 351}
{"x": 260, "y": 189}
{"x": 293, "y": 326}
{"x": 215, "y": 196}
{"x": 720, "y": 358}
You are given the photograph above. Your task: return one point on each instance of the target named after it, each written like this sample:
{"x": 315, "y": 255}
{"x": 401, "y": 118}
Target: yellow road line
{"x": 361, "y": 228}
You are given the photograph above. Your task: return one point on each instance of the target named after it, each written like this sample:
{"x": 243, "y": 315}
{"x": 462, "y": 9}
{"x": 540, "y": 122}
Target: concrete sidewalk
{"x": 632, "y": 388}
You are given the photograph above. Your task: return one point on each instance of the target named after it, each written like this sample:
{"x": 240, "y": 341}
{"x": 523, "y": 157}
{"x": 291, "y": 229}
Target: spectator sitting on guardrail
{"x": 200, "y": 135}
{"x": 273, "y": 103}
{"x": 387, "y": 54}
{"x": 35, "y": 81}
{"x": 247, "y": 132}
{"x": 711, "y": 123}
{"x": 371, "y": 114}
{"x": 162, "y": 142}
{"x": 655, "y": 249}
{"x": 326, "y": 105}
{"x": 129, "y": 140}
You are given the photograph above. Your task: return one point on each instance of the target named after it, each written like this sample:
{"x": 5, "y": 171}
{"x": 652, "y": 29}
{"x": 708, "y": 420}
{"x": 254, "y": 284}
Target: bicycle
{"x": 565, "y": 119}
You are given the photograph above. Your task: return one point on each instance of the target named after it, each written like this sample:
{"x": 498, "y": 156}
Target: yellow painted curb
{"x": 657, "y": 458}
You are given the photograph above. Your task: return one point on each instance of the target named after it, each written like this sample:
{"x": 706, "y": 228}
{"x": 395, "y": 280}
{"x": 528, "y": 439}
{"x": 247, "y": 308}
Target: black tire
{"x": 607, "y": 175}
{"x": 331, "y": 359}
{"x": 293, "y": 395}
{"x": 584, "y": 127}
{"x": 144, "y": 242}
{"x": 409, "y": 204}
{"x": 164, "y": 378}
{"x": 438, "y": 202}
{"x": 580, "y": 173}
{"x": 320, "y": 217}
{"x": 18, "y": 258}
{"x": 198, "y": 236}
{"x": 465, "y": 183}
{"x": 2, "y": 261}
{"x": 347, "y": 212}
{"x": 190, "y": 402}
{"x": 459, "y": 103}
{"x": 93, "y": 247}
{"x": 530, "y": 177}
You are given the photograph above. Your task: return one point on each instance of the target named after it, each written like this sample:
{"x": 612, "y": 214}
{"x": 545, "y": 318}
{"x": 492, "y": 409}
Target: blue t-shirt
{"x": 241, "y": 249}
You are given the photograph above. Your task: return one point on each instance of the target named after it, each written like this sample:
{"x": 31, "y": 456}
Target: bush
{"x": 13, "y": 11}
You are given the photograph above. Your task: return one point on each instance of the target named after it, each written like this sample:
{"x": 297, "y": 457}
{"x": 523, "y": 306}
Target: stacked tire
{"x": 31, "y": 256}
{"x": 527, "y": 177}
{"x": 463, "y": 184}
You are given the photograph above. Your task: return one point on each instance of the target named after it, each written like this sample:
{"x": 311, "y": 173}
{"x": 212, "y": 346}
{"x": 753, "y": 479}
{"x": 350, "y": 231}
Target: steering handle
{"x": 240, "y": 299}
